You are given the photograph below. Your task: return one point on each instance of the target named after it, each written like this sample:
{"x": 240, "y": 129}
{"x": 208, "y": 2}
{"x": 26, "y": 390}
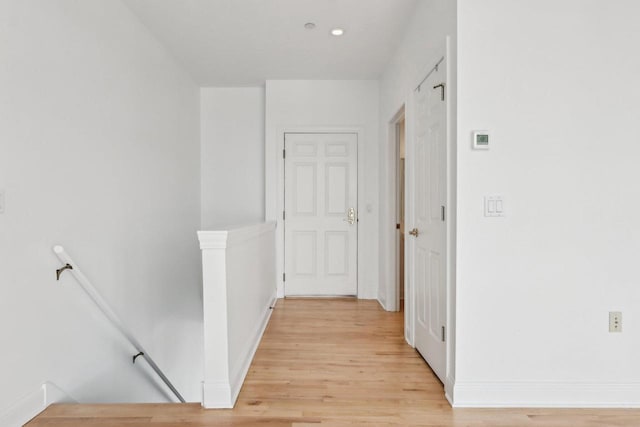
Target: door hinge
{"x": 284, "y": 154}
{"x": 443, "y": 334}
{"x": 442, "y": 210}
{"x": 283, "y": 277}
{"x": 283, "y": 215}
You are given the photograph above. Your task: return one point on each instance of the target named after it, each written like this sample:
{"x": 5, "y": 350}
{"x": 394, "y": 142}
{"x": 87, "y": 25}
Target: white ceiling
{"x": 245, "y": 42}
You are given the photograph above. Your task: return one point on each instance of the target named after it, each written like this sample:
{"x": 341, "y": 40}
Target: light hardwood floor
{"x": 334, "y": 363}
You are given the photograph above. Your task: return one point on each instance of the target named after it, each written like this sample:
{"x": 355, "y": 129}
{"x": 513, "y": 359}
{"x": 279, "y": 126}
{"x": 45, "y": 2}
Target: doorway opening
{"x": 399, "y": 211}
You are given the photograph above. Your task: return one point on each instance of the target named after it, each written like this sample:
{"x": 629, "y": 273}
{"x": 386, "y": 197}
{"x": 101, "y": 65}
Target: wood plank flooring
{"x": 332, "y": 363}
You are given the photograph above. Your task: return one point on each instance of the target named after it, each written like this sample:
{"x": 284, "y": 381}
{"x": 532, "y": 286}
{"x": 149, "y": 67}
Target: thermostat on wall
{"x": 481, "y": 140}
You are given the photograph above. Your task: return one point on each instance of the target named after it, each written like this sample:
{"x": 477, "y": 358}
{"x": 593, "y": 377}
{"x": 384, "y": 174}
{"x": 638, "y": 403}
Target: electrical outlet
{"x": 615, "y": 321}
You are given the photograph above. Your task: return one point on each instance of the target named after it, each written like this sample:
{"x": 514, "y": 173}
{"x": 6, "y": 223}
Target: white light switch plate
{"x": 493, "y": 206}
{"x": 1, "y": 201}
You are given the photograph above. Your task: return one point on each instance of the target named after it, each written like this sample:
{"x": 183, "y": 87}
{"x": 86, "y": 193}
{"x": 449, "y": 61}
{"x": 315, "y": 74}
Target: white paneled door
{"x": 320, "y": 217}
{"x": 429, "y": 231}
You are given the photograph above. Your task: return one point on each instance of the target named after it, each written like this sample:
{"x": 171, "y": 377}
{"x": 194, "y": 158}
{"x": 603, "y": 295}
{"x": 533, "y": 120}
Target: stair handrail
{"x": 93, "y": 294}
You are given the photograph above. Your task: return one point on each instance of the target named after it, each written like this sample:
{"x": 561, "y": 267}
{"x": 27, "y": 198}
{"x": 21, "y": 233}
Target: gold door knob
{"x": 414, "y": 232}
{"x": 351, "y": 216}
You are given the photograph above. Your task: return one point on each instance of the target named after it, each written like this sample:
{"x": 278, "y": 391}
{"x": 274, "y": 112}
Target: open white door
{"x": 428, "y": 230}
{"x": 320, "y": 218}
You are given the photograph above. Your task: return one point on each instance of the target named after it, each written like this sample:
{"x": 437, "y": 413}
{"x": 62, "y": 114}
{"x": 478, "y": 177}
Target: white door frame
{"x": 387, "y": 252}
{"x": 393, "y": 297}
{"x": 275, "y": 166}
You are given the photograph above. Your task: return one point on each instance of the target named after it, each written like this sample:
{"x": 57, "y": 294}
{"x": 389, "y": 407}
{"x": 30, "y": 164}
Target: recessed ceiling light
{"x": 309, "y": 25}
{"x": 337, "y": 32}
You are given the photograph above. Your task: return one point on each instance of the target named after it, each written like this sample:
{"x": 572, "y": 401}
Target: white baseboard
{"x": 225, "y": 394}
{"x": 216, "y": 395}
{"x": 449, "y": 385}
{"x": 542, "y": 394}
{"x": 54, "y": 394}
{"x": 240, "y": 373}
{"x": 32, "y": 404}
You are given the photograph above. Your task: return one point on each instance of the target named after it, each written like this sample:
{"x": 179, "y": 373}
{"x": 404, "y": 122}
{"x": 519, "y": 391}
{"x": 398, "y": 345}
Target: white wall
{"x": 328, "y": 104}
{"x": 420, "y": 49}
{"x": 99, "y": 153}
{"x": 232, "y": 156}
{"x": 557, "y": 85}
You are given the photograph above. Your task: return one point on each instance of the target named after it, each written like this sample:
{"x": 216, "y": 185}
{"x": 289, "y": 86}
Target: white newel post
{"x": 239, "y": 290}
{"x": 216, "y": 389}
